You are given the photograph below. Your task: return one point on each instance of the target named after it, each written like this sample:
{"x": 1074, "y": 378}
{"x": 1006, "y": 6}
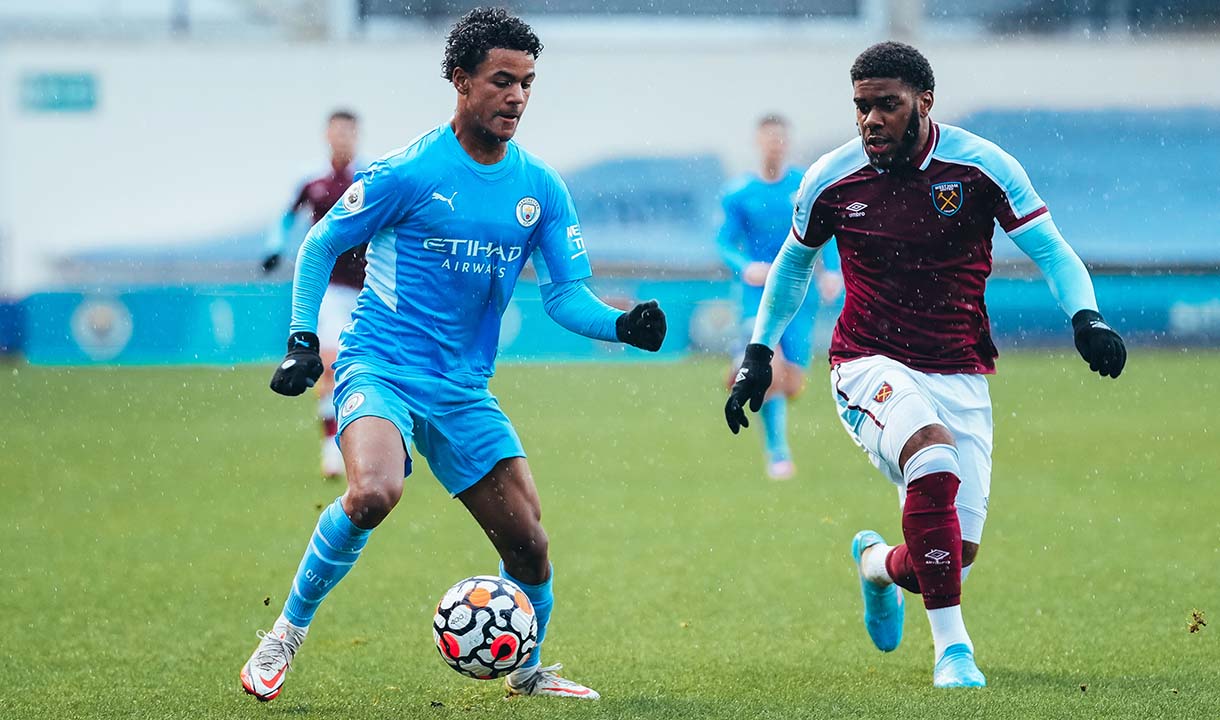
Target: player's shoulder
{"x": 536, "y": 171}
{"x": 836, "y": 165}
{"x": 963, "y": 147}
{"x": 419, "y": 150}
{"x": 737, "y": 185}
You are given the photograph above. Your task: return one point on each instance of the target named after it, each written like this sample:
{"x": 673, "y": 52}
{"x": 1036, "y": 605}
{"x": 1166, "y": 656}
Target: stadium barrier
{"x": 227, "y": 324}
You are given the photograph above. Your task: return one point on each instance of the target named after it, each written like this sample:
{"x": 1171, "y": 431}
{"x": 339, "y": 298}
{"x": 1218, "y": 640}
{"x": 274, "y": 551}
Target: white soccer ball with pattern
{"x": 485, "y": 627}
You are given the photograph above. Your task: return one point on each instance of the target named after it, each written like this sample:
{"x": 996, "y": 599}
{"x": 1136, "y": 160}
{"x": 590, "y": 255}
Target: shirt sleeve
{"x": 1019, "y": 207}
{"x": 560, "y": 255}
{"x": 1060, "y": 265}
{"x": 809, "y": 224}
{"x": 377, "y": 199}
{"x": 277, "y": 238}
{"x": 574, "y": 307}
{"x": 731, "y": 236}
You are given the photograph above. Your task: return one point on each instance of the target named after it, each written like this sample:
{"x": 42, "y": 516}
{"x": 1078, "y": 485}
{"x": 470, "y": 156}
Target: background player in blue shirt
{"x": 757, "y": 216}
{"x": 450, "y": 221}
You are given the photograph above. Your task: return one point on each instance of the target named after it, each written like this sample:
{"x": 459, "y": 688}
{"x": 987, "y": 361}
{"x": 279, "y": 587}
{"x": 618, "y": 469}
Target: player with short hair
{"x": 912, "y": 204}
{"x": 757, "y": 214}
{"x": 317, "y": 194}
{"x": 451, "y": 220}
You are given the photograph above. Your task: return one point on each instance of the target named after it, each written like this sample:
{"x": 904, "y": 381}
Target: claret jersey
{"x": 915, "y": 246}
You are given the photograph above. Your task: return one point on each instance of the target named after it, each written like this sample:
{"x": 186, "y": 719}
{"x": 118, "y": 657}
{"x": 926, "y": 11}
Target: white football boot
{"x": 546, "y": 681}
{"x": 263, "y": 674}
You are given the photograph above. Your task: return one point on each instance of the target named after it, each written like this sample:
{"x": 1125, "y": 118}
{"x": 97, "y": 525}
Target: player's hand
{"x": 302, "y": 365}
{"x": 271, "y": 262}
{"x": 1098, "y": 344}
{"x": 751, "y": 385}
{"x": 643, "y": 326}
{"x": 755, "y": 274}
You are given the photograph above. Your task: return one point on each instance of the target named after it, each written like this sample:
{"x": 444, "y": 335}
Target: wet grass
{"x": 152, "y": 519}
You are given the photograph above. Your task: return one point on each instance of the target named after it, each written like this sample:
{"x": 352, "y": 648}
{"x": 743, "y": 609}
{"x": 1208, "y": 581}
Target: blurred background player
{"x": 912, "y": 204}
{"x": 452, "y": 219}
{"x": 757, "y": 216}
{"x": 317, "y": 194}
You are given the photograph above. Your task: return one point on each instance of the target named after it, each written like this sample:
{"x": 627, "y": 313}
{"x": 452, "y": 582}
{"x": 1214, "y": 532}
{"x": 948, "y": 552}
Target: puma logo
{"x": 447, "y": 200}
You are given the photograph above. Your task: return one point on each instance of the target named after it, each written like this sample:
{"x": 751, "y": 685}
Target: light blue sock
{"x": 333, "y": 549}
{"x": 543, "y": 600}
{"x": 774, "y": 414}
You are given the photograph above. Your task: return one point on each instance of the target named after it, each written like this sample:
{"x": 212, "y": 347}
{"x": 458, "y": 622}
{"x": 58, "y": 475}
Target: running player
{"x": 757, "y": 215}
{"x": 317, "y": 194}
{"x": 450, "y": 220}
{"x": 912, "y": 204}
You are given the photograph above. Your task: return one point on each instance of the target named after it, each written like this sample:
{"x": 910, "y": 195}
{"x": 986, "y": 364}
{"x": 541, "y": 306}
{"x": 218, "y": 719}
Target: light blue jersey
{"x": 448, "y": 238}
{"x": 757, "y": 220}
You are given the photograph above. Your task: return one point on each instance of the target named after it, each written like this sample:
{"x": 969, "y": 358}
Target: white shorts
{"x": 882, "y": 403}
{"x": 335, "y": 313}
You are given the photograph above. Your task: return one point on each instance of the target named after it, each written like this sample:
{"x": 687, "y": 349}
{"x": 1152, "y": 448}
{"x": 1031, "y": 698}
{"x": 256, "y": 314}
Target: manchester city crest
{"x": 528, "y": 211}
{"x": 947, "y": 197}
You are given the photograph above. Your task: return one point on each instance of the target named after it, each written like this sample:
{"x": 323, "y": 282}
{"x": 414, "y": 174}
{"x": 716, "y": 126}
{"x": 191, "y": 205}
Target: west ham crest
{"x": 947, "y": 197}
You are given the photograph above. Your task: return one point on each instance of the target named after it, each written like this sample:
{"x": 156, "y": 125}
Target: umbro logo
{"x": 741, "y": 375}
{"x": 937, "y": 557}
{"x": 447, "y": 200}
{"x": 1099, "y": 325}
{"x": 856, "y": 209}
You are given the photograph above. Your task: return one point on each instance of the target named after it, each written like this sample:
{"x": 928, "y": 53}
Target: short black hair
{"x": 342, "y": 115}
{"x": 894, "y": 60}
{"x": 772, "y": 119}
{"x": 481, "y": 30}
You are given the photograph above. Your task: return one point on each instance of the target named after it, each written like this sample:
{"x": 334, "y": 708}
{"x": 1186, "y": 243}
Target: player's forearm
{"x": 574, "y": 307}
{"x": 731, "y": 253}
{"x": 1060, "y": 265}
{"x": 277, "y": 240}
{"x": 315, "y": 261}
{"x": 787, "y": 284}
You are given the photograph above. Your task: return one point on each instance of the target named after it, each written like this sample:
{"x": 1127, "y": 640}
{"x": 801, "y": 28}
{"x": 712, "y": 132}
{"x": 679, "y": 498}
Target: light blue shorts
{"x": 461, "y": 431}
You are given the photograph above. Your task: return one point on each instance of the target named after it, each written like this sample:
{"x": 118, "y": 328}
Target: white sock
{"x": 872, "y": 565}
{"x": 948, "y": 629}
{"x": 326, "y": 407}
{"x": 966, "y": 572}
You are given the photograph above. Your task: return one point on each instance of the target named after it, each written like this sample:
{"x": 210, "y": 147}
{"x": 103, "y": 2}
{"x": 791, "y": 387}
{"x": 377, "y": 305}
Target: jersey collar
{"x": 924, "y": 159}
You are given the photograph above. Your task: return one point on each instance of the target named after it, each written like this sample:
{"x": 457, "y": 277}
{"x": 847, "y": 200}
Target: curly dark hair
{"x": 481, "y": 30}
{"x": 894, "y": 60}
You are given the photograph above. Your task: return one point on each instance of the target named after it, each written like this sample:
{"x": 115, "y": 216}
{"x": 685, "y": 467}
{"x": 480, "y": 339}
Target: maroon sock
{"x": 898, "y": 564}
{"x": 330, "y": 426}
{"x": 933, "y": 550}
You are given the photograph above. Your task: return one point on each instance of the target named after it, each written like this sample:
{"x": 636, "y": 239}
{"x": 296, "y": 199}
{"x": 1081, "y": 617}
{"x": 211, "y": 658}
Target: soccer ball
{"x": 485, "y": 627}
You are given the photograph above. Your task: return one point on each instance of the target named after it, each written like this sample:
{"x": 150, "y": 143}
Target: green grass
{"x": 148, "y": 513}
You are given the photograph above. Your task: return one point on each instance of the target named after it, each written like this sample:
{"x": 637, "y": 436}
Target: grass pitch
{"x": 152, "y": 520}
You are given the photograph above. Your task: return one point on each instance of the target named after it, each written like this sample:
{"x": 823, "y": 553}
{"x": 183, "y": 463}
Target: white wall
{"x": 190, "y": 141}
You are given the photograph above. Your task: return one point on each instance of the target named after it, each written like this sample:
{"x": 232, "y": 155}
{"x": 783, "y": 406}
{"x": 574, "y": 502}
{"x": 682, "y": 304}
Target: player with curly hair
{"x": 451, "y": 220}
{"x": 912, "y": 205}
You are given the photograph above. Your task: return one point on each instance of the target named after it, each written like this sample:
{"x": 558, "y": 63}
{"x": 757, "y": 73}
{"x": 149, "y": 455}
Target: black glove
{"x": 302, "y": 365}
{"x": 1098, "y": 344}
{"x": 271, "y": 262}
{"x": 642, "y": 327}
{"x": 752, "y": 382}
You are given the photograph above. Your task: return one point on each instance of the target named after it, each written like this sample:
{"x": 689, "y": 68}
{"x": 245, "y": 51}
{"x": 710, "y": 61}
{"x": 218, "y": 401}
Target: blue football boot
{"x": 883, "y": 605}
{"x": 956, "y": 669}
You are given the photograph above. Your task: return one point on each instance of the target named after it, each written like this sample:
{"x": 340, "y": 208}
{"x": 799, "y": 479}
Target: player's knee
{"x": 930, "y": 449}
{"x": 372, "y": 492}
{"x": 969, "y": 551}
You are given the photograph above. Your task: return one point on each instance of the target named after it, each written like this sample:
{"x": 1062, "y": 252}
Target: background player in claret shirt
{"x": 912, "y": 204}
{"x": 757, "y": 215}
{"x": 450, "y": 220}
{"x": 317, "y": 194}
